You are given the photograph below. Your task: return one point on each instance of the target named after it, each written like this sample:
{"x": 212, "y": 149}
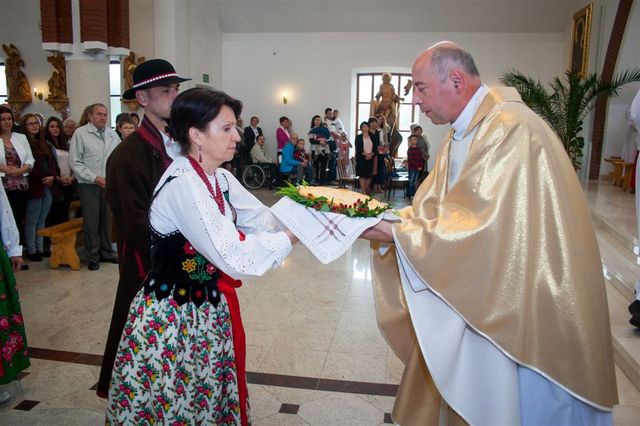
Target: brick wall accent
{"x": 56, "y": 19}
{"x": 93, "y": 20}
{"x": 118, "y": 23}
{"x": 600, "y": 110}
{"x": 106, "y": 21}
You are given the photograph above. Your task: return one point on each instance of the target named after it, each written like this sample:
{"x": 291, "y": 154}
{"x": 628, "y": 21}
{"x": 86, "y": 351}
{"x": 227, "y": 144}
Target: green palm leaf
{"x": 568, "y": 101}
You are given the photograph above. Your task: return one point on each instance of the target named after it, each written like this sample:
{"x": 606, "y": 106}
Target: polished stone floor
{"x": 315, "y": 354}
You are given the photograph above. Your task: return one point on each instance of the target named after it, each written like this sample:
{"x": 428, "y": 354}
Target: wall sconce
{"x": 37, "y": 94}
{"x": 285, "y": 100}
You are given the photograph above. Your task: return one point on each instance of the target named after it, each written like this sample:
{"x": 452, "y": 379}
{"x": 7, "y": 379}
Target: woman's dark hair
{"x": 197, "y": 107}
{"x": 23, "y": 127}
{"x": 7, "y": 110}
{"x": 314, "y": 119}
{"x": 63, "y": 140}
{"x": 364, "y": 123}
{"x": 37, "y": 143}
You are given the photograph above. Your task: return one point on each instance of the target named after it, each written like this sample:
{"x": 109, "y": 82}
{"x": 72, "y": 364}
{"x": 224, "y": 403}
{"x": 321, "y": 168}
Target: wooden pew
{"x": 63, "y": 243}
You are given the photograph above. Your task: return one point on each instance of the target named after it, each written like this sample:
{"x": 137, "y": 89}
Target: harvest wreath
{"x": 343, "y": 201}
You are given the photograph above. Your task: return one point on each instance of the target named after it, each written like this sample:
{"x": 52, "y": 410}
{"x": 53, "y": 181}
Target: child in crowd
{"x": 414, "y": 165}
{"x": 301, "y": 155}
{"x": 126, "y": 125}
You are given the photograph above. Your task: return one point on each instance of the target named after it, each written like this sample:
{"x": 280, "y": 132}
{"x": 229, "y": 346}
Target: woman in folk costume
{"x": 182, "y": 354}
{"x": 13, "y": 341}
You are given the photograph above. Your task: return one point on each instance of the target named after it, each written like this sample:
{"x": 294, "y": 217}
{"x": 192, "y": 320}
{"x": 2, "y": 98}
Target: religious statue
{"x": 129, "y": 64}
{"x": 18, "y": 88}
{"x": 387, "y": 101}
{"x": 58, "y": 82}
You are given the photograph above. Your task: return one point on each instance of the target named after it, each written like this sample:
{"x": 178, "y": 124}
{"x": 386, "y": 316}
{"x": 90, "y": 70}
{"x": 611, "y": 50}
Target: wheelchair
{"x": 254, "y": 176}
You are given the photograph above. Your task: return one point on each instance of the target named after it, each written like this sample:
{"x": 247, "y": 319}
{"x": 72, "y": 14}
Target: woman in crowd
{"x": 182, "y": 354}
{"x": 13, "y": 341}
{"x": 319, "y": 149}
{"x": 16, "y": 161}
{"x": 136, "y": 119}
{"x": 380, "y": 177}
{"x": 40, "y": 194}
{"x": 68, "y": 127}
{"x": 365, "y": 152}
{"x": 343, "y": 144}
{"x": 84, "y": 118}
{"x": 63, "y": 187}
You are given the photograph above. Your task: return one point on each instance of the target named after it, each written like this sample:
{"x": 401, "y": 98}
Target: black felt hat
{"x": 151, "y": 73}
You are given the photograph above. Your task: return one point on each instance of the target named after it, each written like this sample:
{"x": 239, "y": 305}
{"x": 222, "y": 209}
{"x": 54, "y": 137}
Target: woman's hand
{"x": 48, "y": 180}
{"x": 291, "y": 236}
{"x": 13, "y": 171}
{"x": 16, "y": 263}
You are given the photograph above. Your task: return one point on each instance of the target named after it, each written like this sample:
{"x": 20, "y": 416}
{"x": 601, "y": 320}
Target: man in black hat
{"x": 133, "y": 171}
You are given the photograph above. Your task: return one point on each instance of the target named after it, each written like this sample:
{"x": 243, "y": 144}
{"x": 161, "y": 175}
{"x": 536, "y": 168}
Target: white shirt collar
{"x": 170, "y": 146}
{"x": 462, "y": 122}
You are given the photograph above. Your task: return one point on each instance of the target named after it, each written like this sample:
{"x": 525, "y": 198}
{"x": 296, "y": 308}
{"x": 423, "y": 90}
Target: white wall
{"x": 317, "y": 70}
{"x": 186, "y": 33}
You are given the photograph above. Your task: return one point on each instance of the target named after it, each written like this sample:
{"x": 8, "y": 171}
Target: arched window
{"x": 367, "y": 87}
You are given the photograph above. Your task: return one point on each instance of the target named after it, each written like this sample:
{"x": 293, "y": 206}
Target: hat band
{"x": 152, "y": 79}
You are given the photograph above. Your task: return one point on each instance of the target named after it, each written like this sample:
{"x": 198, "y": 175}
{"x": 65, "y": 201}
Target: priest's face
{"x": 434, "y": 95}
{"x": 218, "y": 141}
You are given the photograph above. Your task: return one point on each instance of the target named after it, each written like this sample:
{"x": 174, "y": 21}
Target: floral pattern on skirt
{"x": 14, "y": 355}
{"x": 175, "y": 365}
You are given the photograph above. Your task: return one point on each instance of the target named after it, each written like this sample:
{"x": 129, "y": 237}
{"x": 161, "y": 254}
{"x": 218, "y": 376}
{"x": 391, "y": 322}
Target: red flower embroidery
{"x": 210, "y": 269}
{"x": 188, "y": 249}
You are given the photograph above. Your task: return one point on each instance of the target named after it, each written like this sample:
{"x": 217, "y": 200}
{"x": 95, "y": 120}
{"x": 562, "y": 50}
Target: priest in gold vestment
{"x": 492, "y": 292}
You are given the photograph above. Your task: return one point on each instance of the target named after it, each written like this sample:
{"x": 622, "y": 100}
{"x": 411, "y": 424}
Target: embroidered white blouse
{"x": 8, "y": 229}
{"x": 184, "y": 204}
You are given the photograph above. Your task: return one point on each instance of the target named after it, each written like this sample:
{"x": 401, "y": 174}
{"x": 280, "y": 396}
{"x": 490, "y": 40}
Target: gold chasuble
{"x": 510, "y": 247}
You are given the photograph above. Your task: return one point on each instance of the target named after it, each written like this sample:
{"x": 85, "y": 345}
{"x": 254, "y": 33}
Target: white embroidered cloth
{"x": 327, "y": 235}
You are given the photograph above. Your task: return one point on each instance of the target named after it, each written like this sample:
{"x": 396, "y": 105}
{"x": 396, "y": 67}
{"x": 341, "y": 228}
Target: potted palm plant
{"x": 568, "y": 102}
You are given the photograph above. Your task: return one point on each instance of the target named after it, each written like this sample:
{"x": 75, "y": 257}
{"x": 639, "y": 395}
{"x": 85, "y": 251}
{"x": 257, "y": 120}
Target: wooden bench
{"x": 74, "y": 206}
{"x": 618, "y": 169}
{"x": 63, "y": 243}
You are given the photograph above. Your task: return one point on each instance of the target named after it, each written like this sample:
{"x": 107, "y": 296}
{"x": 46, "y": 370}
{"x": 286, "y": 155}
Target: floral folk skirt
{"x": 13, "y": 341}
{"x": 175, "y": 365}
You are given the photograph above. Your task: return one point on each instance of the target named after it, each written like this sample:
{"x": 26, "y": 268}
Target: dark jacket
{"x": 250, "y": 138}
{"x": 133, "y": 171}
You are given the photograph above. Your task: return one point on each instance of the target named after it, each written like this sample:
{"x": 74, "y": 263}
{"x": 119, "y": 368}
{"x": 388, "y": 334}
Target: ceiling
{"x": 525, "y": 16}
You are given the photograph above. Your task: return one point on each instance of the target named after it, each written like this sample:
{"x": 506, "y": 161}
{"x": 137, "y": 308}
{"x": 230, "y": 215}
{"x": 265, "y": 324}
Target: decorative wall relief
{"x": 18, "y": 88}
{"x": 58, "y": 98}
{"x": 129, "y": 64}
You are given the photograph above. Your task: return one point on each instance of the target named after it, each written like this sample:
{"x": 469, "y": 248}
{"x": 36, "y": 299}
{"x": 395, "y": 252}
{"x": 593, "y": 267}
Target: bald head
{"x": 445, "y": 78}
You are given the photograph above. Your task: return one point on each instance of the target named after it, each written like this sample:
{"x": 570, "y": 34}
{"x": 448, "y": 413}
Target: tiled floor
{"x": 315, "y": 355}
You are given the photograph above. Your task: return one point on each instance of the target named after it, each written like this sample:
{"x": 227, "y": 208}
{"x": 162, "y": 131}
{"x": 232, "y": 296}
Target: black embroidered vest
{"x": 178, "y": 269}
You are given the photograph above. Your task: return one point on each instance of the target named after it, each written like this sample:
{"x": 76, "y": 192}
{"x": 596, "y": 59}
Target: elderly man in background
{"x": 91, "y": 145}
{"x": 499, "y": 268}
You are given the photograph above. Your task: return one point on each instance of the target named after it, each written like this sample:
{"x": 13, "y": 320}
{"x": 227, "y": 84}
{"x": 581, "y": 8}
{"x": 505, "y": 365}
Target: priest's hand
{"x": 381, "y": 232}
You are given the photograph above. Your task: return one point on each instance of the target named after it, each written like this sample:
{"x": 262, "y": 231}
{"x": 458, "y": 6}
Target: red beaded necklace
{"x": 218, "y": 194}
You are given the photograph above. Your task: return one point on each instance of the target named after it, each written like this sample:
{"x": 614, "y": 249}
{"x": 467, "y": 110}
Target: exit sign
{"x": 205, "y": 78}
